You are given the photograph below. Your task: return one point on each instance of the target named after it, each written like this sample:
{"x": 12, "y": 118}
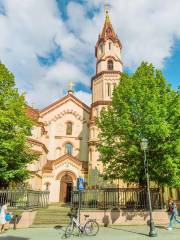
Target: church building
{"x": 65, "y": 133}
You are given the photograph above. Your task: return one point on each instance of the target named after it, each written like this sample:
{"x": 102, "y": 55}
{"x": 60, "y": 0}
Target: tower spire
{"x": 107, "y": 31}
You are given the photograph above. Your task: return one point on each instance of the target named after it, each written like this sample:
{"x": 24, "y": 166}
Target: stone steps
{"x": 50, "y": 217}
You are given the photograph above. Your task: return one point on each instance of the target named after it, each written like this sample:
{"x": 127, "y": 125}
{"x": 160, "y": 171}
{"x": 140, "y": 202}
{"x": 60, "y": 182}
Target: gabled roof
{"x": 50, "y": 163}
{"x": 67, "y": 156}
{"x": 61, "y": 101}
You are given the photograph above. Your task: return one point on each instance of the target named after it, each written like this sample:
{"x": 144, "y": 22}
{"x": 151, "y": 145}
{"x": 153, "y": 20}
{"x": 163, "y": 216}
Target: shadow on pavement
{"x": 124, "y": 230}
{"x": 58, "y": 227}
{"x": 162, "y": 227}
{"x": 63, "y": 229}
{"x": 13, "y": 238}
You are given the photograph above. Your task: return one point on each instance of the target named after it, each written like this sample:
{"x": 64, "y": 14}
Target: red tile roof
{"x": 32, "y": 113}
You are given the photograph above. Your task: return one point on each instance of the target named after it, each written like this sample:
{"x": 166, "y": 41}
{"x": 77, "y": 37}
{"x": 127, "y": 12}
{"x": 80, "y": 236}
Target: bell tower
{"x": 108, "y": 64}
{"x": 108, "y": 70}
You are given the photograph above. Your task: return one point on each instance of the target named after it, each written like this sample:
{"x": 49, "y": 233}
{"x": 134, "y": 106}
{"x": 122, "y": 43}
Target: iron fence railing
{"x": 124, "y": 198}
{"x": 24, "y": 198}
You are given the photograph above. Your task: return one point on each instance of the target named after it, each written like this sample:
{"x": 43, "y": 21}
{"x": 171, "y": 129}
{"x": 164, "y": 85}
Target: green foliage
{"x": 15, "y": 126}
{"x": 143, "y": 105}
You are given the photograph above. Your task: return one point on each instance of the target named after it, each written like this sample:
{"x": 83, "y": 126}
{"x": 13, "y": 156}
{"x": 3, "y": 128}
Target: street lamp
{"x": 144, "y": 147}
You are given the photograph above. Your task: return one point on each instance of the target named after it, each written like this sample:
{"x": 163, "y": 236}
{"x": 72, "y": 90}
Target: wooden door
{"x": 65, "y": 188}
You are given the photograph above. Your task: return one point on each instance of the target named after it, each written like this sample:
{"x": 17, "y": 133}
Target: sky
{"x": 48, "y": 43}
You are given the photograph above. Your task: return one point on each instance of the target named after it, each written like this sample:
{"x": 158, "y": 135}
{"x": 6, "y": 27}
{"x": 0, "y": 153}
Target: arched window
{"x": 102, "y": 48}
{"x": 69, "y": 148}
{"x": 109, "y": 45}
{"x": 110, "y": 65}
{"x": 69, "y": 128}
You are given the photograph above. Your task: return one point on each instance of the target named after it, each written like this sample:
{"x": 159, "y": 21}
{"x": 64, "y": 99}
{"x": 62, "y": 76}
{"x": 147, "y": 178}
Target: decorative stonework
{"x": 47, "y": 177}
{"x": 67, "y": 166}
{"x": 70, "y": 173}
{"x": 65, "y": 112}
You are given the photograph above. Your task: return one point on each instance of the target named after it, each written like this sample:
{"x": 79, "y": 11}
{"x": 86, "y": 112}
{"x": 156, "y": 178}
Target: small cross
{"x": 70, "y": 86}
{"x": 106, "y": 8}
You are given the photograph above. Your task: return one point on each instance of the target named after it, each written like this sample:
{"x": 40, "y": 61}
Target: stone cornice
{"x": 104, "y": 73}
{"x": 92, "y": 142}
{"x": 67, "y": 136}
{"x": 97, "y": 103}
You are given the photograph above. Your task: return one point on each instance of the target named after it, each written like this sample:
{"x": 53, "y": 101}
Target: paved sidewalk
{"x": 109, "y": 233}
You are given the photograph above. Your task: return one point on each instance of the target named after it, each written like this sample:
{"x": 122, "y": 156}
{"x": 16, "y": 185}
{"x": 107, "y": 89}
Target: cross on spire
{"x": 70, "y": 86}
{"x": 106, "y": 8}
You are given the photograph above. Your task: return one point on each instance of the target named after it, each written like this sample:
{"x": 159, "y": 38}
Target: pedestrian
{"x": 3, "y": 213}
{"x": 173, "y": 213}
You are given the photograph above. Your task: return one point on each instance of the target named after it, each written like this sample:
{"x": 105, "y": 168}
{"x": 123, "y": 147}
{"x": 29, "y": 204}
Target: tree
{"x": 15, "y": 126}
{"x": 143, "y": 105}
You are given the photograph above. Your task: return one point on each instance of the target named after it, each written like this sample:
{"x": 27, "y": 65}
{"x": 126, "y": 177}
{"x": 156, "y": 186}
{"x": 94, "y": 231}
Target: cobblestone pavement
{"x": 108, "y": 233}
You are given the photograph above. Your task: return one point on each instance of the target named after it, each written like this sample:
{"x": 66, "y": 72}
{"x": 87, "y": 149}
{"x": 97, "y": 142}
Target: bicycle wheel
{"x": 91, "y": 228}
{"x": 69, "y": 230}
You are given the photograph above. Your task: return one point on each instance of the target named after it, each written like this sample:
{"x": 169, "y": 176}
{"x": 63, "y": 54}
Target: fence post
{"x": 15, "y": 222}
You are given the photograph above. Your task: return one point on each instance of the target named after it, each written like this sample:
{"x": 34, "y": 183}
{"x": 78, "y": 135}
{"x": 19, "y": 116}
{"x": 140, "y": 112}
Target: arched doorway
{"x": 66, "y": 186}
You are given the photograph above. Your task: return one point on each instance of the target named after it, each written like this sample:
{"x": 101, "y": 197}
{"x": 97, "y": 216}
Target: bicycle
{"x": 90, "y": 228}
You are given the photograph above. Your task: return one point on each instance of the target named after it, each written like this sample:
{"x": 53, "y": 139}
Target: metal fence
{"x": 124, "y": 198}
{"x": 24, "y": 198}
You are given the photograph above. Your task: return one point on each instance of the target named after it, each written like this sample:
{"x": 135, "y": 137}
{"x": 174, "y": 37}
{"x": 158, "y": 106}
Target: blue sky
{"x": 47, "y": 43}
{"x": 171, "y": 69}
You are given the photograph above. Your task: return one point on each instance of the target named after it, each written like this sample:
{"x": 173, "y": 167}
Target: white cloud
{"x": 55, "y": 83}
{"x": 30, "y": 30}
{"x": 147, "y": 30}
{"x": 84, "y": 96}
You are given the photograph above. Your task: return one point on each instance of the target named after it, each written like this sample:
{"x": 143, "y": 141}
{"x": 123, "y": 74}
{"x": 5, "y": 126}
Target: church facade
{"x": 65, "y": 133}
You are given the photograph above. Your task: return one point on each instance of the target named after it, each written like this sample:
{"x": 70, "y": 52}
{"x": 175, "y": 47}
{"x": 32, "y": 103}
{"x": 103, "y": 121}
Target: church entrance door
{"x": 66, "y": 186}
